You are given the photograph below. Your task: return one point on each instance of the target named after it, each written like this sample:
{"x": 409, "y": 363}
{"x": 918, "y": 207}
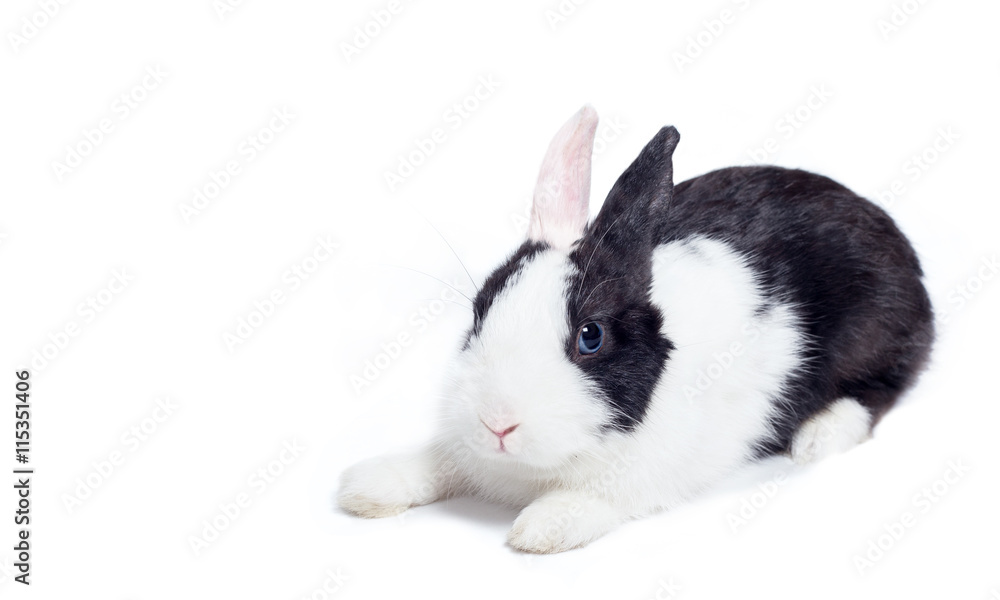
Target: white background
{"x": 878, "y": 95}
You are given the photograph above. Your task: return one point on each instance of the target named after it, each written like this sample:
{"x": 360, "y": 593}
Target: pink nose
{"x": 501, "y": 434}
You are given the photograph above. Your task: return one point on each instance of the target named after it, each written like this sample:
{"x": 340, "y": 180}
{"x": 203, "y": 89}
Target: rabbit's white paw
{"x": 387, "y": 486}
{"x": 561, "y": 521}
{"x": 835, "y": 429}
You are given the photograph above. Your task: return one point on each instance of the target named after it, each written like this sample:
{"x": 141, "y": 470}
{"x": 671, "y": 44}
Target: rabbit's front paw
{"x": 561, "y": 521}
{"x": 387, "y": 486}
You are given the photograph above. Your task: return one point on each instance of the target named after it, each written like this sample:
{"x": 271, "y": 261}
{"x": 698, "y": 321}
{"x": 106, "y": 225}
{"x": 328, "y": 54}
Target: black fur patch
{"x": 497, "y": 281}
{"x": 630, "y": 361}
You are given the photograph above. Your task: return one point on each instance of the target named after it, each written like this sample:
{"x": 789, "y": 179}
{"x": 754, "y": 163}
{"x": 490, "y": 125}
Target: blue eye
{"x": 591, "y": 338}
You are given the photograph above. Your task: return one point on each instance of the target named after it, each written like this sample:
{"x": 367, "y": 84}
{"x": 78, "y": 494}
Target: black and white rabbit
{"x": 618, "y": 368}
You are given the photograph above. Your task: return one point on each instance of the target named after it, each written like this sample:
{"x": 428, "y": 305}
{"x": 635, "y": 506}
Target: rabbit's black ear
{"x": 562, "y": 195}
{"x": 646, "y": 184}
{"x": 621, "y": 237}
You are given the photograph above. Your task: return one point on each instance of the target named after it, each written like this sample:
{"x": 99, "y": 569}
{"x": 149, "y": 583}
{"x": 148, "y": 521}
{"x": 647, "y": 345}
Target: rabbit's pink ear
{"x": 562, "y": 194}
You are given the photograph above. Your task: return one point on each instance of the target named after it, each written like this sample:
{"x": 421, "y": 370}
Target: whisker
{"x": 431, "y": 276}
{"x": 591, "y": 259}
{"x": 455, "y": 254}
{"x": 621, "y": 411}
{"x": 584, "y": 303}
{"x": 443, "y": 300}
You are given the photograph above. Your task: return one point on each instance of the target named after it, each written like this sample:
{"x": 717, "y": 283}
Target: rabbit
{"x": 618, "y": 368}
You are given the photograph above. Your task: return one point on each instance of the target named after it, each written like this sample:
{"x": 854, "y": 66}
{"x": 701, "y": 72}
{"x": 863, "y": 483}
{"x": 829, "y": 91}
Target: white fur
{"x": 835, "y": 429}
{"x": 711, "y": 404}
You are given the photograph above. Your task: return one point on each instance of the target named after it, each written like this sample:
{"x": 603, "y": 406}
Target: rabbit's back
{"x": 838, "y": 260}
